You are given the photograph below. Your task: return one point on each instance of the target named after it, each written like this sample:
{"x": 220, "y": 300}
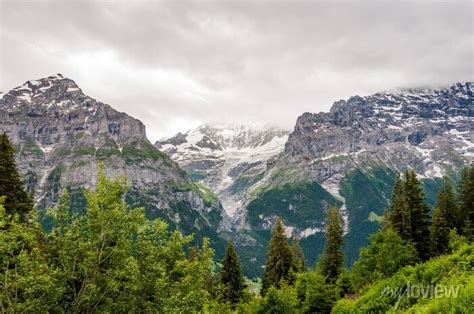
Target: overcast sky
{"x": 176, "y": 64}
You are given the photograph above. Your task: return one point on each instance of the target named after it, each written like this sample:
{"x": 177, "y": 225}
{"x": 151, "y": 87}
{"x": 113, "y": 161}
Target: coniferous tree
{"x": 439, "y": 233}
{"x": 279, "y": 260}
{"x": 231, "y": 277}
{"x": 17, "y": 200}
{"x": 419, "y": 215}
{"x": 333, "y": 259}
{"x": 399, "y": 211}
{"x": 299, "y": 264}
{"x": 446, "y": 203}
{"x": 466, "y": 202}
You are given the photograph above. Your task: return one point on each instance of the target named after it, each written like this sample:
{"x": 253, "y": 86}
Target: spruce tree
{"x": 17, "y": 200}
{"x": 279, "y": 259}
{"x": 439, "y": 233}
{"x": 399, "y": 211}
{"x": 299, "y": 264}
{"x": 231, "y": 277}
{"x": 419, "y": 215}
{"x": 446, "y": 202}
{"x": 333, "y": 259}
{"x": 466, "y": 202}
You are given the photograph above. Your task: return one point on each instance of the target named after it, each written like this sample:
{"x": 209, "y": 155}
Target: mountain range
{"x": 232, "y": 181}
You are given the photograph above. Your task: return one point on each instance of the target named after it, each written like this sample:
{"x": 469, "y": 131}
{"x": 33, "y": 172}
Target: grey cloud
{"x": 173, "y": 64}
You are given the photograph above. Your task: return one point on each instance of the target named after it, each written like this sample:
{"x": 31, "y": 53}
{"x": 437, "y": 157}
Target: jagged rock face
{"x": 226, "y": 157}
{"x": 428, "y": 130}
{"x": 60, "y": 134}
{"x": 54, "y": 108}
{"x": 431, "y": 131}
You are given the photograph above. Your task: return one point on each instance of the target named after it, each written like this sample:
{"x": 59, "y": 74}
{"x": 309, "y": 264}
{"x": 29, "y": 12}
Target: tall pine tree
{"x": 299, "y": 264}
{"x": 333, "y": 259}
{"x": 439, "y": 233}
{"x": 446, "y": 203}
{"x": 419, "y": 215}
{"x": 17, "y": 199}
{"x": 231, "y": 277}
{"x": 279, "y": 259}
{"x": 466, "y": 202}
{"x": 400, "y": 218}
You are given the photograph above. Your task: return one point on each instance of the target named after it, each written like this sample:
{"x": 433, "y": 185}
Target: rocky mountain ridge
{"x": 60, "y": 134}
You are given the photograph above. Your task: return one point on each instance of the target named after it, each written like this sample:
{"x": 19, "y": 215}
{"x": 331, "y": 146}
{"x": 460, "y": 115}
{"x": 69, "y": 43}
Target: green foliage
{"x": 466, "y": 202}
{"x": 230, "y": 277}
{"x": 364, "y": 192}
{"x": 419, "y": 215}
{"x": 279, "y": 260}
{"x": 112, "y": 259}
{"x": 332, "y": 261}
{"x": 108, "y": 149}
{"x": 143, "y": 150}
{"x": 446, "y": 202}
{"x": 452, "y": 274}
{"x": 345, "y": 283}
{"x": 27, "y": 282}
{"x": 400, "y": 218}
{"x": 463, "y": 303}
{"x": 315, "y": 294}
{"x": 439, "y": 233}
{"x": 283, "y": 300}
{"x": 17, "y": 200}
{"x": 297, "y": 203}
{"x": 386, "y": 253}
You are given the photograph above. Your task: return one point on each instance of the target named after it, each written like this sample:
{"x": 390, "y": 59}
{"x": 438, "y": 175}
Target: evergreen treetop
{"x": 299, "y": 264}
{"x": 439, "y": 233}
{"x": 230, "y": 276}
{"x": 466, "y": 202}
{"x": 419, "y": 215}
{"x": 333, "y": 259}
{"x": 400, "y": 218}
{"x": 17, "y": 200}
{"x": 446, "y": 202}
{"x": 279, "y": 259}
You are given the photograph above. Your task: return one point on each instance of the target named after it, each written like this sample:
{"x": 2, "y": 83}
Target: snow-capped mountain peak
{"x": 221, "y": 154}
{"x": 54, "y": 91}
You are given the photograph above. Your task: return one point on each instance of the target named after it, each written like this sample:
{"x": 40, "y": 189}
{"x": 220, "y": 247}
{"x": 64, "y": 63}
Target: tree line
{"x": 111, "y": 258}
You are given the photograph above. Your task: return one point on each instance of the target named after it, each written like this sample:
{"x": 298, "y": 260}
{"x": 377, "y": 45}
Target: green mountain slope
{"x": 441, "y": 285}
